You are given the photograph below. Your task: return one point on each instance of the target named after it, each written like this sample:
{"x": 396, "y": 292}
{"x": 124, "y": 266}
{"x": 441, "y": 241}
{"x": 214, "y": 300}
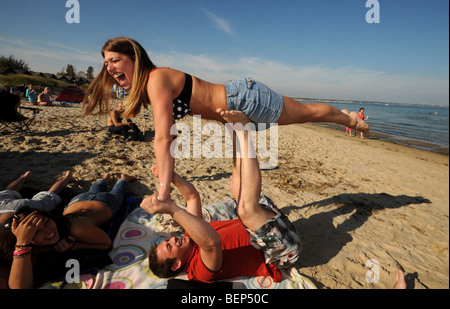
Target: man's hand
{"x": 152, "y": 205}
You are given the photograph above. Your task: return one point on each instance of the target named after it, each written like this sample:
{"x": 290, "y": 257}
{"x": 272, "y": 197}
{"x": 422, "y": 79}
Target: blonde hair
{"x": 98, "y": 93}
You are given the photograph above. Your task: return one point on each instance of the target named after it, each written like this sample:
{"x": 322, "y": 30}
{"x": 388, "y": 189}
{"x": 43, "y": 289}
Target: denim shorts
{"x": 277, "y": 238}
{"x": 11, "y": 200}
{"x": 113, "y": 199}
{"x": 259, "y": 103}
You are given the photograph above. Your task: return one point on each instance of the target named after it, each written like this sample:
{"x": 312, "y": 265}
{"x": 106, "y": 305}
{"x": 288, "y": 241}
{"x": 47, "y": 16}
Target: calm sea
{"x": 424, "y": 127}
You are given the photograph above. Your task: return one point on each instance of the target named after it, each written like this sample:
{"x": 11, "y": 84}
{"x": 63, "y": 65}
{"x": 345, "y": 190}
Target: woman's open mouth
{"x": 120, "y": 77}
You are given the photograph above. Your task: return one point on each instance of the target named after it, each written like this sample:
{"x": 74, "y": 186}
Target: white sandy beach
{"x": 352, "y": 200}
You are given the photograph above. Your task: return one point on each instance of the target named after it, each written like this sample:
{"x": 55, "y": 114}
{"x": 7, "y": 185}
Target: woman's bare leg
{"x": 298, "y": 112}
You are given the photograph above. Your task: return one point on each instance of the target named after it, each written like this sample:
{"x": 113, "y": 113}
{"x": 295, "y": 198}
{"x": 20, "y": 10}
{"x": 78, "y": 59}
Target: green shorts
{"x": 277, "y": 238}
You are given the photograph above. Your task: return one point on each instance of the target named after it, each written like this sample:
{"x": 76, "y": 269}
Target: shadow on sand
{"x": 322, "y": 240}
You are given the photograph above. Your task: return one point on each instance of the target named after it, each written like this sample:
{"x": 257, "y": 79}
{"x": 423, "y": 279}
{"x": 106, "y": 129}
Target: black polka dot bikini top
{"x": 181, "y": 105}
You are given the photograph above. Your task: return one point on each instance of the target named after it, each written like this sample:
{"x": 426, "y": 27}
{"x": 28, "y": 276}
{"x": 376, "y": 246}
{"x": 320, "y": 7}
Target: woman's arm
{"x": 160, "y": 93}
{"x": 21, "y": 276}
{"x": 86, "y": 236}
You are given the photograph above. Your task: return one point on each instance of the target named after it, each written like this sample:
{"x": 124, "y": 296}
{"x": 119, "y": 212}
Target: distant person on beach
{"x": 348, "y": 130}
{"x": 31, "y": 95}
{"x": 174, "y": 94}
{"x": 44, "y": 98}
{"x": 77, "y": 229}
{"x": 363, "y": 117}
{"x": 116, "y": 126}
{"x": 256, "y": 244}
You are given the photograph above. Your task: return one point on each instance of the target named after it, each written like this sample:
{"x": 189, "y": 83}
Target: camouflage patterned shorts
{"x": 277, "y": 238}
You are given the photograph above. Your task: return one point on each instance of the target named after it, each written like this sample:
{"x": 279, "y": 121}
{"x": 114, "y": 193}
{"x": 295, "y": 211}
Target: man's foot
{"x": 234, "y": 117}
{"x": 399, "y": 280}
{"x": 128, "y": 178}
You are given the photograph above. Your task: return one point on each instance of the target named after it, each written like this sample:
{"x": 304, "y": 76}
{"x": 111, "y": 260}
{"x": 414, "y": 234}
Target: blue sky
{"x": 301, "y": 48}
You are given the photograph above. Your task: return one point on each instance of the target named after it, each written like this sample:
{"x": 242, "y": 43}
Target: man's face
{"x": 175, "y": 247}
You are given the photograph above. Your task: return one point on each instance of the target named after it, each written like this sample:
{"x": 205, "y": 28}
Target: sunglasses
{"x": 22, "y": 210}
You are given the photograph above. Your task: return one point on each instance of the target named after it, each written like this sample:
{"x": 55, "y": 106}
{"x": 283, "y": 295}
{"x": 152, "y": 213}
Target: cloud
{"x": 48, "y": 56}
{"x": 295, "y": 81}
{"x": 221, "y": 23}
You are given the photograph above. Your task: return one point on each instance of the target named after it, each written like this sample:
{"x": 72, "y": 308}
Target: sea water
{"x": 420, "y": 126}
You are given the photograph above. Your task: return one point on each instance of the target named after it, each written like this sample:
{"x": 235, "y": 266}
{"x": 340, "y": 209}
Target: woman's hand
{"x": 27, "y": 228}
{"x": 155, "y": 170}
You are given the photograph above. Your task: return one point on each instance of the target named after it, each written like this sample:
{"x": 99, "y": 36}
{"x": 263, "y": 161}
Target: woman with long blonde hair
{"x": 174, "y": 94}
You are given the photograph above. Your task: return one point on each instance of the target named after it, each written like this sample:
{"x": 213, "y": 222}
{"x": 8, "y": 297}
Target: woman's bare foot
{"x": 128, "y": 178}
{"x": 108, "y": 177}
{"x": 357, "y": 123}
{"x": 18, "y": 184}
{"x": 69, "y": 177}
{"x": 26, "y": 177}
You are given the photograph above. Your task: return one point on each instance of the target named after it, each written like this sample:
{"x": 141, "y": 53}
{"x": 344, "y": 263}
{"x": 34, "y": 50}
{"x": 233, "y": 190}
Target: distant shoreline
{"x": 423, "y": 145}
{"x": 367, "y": 102}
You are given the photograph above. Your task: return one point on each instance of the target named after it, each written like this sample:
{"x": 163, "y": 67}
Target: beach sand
{"x": 357, "y": 203}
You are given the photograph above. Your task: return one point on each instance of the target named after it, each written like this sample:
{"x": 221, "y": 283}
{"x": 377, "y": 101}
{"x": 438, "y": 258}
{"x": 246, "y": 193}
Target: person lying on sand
{"x": 260, "y": 242}
{"x": 77, "y": 229}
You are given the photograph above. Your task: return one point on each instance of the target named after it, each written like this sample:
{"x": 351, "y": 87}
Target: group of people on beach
{"x": 261, "y": 242}
{"x": 42, "y": 99}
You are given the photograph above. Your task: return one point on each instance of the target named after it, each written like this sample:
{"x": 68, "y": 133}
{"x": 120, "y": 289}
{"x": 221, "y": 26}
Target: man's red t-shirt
{"x": 240, "y": 258}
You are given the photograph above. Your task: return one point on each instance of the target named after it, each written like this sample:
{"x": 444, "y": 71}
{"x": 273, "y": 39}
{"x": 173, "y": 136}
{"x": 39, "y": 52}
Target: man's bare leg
{"x": 235, "y": 182}
{"x": 251, "y": 214}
